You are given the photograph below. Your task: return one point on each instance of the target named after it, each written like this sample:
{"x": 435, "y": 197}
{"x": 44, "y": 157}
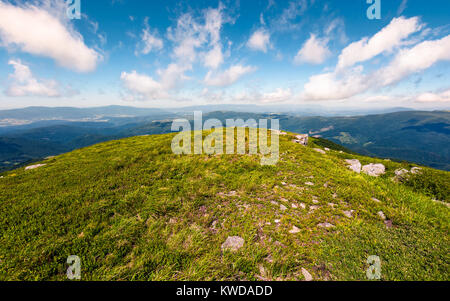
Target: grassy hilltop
{"x": 132, "y": 210}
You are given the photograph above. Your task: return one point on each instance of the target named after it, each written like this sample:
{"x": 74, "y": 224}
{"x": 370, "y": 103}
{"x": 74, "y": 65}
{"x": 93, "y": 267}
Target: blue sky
{"x": 181, "y": 53}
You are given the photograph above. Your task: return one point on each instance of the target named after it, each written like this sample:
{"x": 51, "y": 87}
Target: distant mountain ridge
{"x": 417, "y": 136}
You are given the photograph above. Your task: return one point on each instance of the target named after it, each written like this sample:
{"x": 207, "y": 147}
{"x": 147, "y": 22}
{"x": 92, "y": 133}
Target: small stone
{"x": 335, "y": 195}
{"x": 277, "y": 221}
{"x": 381, "y": 215}
{"x": 302, "y": 139}
{"x": 416, "y": 170}
{"x": 374, "y": 170}
{"x": 348, "y": 213}
{"x": 327, "y": 149}
{"x": 302, "y": 205}
{"x": 274, "y": 203}
{"x": 376, "y": 200}
{"x": 315, "y": 201}
{"x": 309, "y": 183}
{"x": 294, "y": 230}
{"x": 312, "y": 208}
{"x": 233, "y": 243}
{"x": 331, "y": 205}
{"x": 325, "y": 225}
{"x": 294, "y": 206}
{"x": 320, "y": 151}
{"x": 307, "y": 275}
{"x": 283, "y": 208}
{"x": 34, "y": 166}
{"x": 283, "y": 183}
{"x": 355, "y": 165}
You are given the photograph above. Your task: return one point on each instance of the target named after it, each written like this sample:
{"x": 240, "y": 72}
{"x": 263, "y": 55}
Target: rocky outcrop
{"x": 374, "y": 170}
{"x": 302, "y": 139}
{"x": 355, "y": 165}
{"x": 402, "y": 174}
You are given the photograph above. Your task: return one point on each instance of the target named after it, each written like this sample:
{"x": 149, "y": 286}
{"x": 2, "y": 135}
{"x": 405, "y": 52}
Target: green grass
{"x": 132, "y": 210}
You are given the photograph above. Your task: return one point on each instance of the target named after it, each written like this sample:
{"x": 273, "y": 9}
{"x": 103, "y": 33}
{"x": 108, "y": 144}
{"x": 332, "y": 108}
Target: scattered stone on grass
{"x": 320, "y": 151}
{"x": 374, "y": 170}
{"x": 326, "y": 225}
{"x": 381, "y": 215}
{"x": 34, "y": 166}
{"x": 355, "y": 165}
{"x": 233, "y": 243}
{"x": 307, "y": 275}
{"x": 294, "y": 230}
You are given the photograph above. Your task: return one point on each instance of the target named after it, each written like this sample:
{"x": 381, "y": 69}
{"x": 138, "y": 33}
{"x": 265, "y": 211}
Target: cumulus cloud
{"x": 23, "y": 83}
{"x": 228, "y": 77}
{"x": 314, "y": 51}
{"x": 143, "y": 85}
{"x": 418, "y": 58}
{"x": 345, "y": 84}
{"x": 348, "y": 80}
{"x": 387, "y": 39}
{"x": 434, "y": 97}
{"x": 329, "y": 85}
{"x": 40, "y": 31}
{"x": 196, "y": 40}
{"x": 259, "y": 41}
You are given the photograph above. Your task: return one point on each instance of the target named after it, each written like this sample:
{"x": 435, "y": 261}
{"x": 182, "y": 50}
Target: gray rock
{"x": 34, "y": 166}
{"x": 294, "y": 230}
{"x": 382, "y": 215}
{"x": 307, "y": 275}
{"x": 320, "y": 151}
{"x": 309, "y": 183}
{"x": 376, "y": 200}
{"x": 355, "y": 165}
{"x": 283, "y": 208}
{"x": 349, "y": 213}
{"x": 302, "y": 205}
{"x": 326, "y": 225}
{"x": 233, "y": 243}
{"x": 374, "y": 170}
{"x": 416, "y": 170}
{"x": 302, "y": 139}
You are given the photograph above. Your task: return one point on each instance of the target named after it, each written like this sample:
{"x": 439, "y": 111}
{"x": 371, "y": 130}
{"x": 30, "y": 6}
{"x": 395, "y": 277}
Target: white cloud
{"x": 41, "y": 32}
{"x": 259, "y": 41}
{"x": 314, "y": 51}
{"x": 150, "y": 42}
{"x": 347, "y": 83}
{"x": 25, "y": 84}
{"x": 228, "y": 77}
{"x": 142, "y": 85}
{"x": 418, "y": 58}
{"x": 434, "y": 97}
{"x": 329, "y": 86}
{"x": 387, "y": 39}
{"x": 214, "y": 58}
{"x": 279, "y": 95}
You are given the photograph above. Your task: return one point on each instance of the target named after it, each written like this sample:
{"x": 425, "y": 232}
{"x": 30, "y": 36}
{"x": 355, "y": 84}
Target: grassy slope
{"x": 133, "y": 210}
